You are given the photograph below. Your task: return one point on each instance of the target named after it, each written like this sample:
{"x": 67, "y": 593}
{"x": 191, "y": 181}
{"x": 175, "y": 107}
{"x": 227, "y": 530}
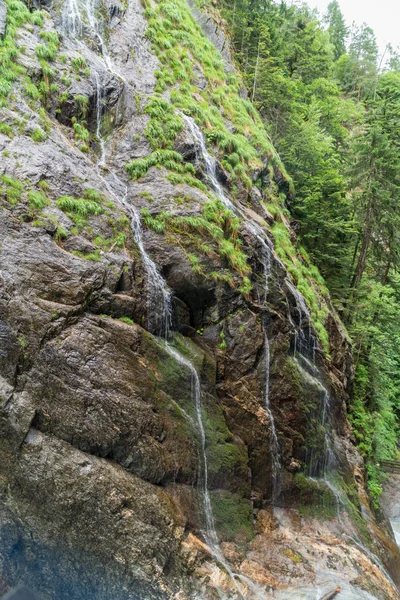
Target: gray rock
{"x": 3, "y": 18}
{"x": 99, "y": 445}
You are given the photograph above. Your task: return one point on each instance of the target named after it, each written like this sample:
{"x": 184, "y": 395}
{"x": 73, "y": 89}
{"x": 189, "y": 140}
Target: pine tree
{"x": 337, "y": 28}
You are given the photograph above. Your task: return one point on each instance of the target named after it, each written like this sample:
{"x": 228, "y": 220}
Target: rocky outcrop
{"x": 3, "y": 18}
{"x": 101, "y": 470}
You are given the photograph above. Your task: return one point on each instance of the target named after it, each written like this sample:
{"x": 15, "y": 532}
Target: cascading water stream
{"x": 209, "y": 162}
{"x": 210, "y": 534}
{"x": 266, "y": 256}
{"x": 73, "y": 23}
{"x": 159, "y": 296}
{"x": 71, "y": 18}
{"x": 99, "y": 112}
{"x": 320, "y": 468}
{"x": 266, "y": 253}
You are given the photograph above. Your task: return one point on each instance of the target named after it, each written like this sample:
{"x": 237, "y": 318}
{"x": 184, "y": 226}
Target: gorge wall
{"x": 146, "y": 249}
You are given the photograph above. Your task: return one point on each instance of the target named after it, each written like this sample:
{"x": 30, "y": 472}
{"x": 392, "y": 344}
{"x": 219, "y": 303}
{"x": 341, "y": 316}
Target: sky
{"x": 383, "y": 16}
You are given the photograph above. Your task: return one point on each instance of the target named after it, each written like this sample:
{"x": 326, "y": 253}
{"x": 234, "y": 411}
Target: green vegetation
{"x": 78, "y": 63}
{"x": 332, "y": 112}
{"x": 80, "y": 206}
{"x": 224, "y": 457}
{"x": 233, "y": 516}
{"x": 127, "y": 320}
{"x": 160, "y": 158}
{"x": 179, "y": 44}
{"x": 94, "y": 256}
{"x": 81, "y": 134}
{"x": 37, "y": 199}
{"x": 17, "y": 16}
{"x": 15, "y": 192}
{"x": 79, "y": 209}
{"x": 222, "y": 344}
{"x": 215, "y": 233}
{"x": 6, "y": 129}
{"x": 38, "y": 135}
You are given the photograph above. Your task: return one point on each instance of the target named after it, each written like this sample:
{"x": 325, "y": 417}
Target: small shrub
{"x": 37, "y": 199}
{"x": 6, "y": 129}
{"x": 80, "y": 206}
{"x": 38, "y": 135}
{"x": 127, "y": 320}
{"x": 46, "y": 52}
{"x": 78, "y": 63}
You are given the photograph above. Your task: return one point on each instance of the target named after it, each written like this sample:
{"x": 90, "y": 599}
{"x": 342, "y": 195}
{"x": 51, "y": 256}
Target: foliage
{"x": 127, "y": 320}
{"x": 332, "y": 112}
{"x": 79, "y": 209}
{"x": 215, "y": 232}
{"x": 12, "y": 189}
{"x": 179, "y": 44}
{"x": 38, "y": 135}
{"x": 17, "y": 16}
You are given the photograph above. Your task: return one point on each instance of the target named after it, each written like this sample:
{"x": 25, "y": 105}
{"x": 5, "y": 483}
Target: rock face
{"x": 102, "y": 464}
{"x": 3, "y": 18}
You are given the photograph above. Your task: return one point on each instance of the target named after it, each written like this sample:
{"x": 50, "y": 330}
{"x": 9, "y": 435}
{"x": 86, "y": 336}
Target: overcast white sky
{"x": 382, "y": 15}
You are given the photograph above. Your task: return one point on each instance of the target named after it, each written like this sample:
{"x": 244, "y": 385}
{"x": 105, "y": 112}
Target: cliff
{"x": 173, "y": 378}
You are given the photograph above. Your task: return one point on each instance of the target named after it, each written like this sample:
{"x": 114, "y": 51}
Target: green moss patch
{"x": 314, "y": 499}
{"x": 233, "y": 516}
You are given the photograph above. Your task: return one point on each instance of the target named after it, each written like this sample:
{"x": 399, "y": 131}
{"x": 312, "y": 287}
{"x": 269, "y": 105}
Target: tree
{"x": 357, "y": 70}
{"x": 337, "y": 28}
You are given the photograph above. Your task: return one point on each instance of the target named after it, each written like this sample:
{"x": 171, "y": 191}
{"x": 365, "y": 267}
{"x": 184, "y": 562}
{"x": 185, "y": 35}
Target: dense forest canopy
{"x": 331, "y": 105}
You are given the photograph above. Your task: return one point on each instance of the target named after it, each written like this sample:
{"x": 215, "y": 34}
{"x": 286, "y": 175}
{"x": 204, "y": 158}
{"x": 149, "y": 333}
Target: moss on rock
{"x": 233, "y": 516}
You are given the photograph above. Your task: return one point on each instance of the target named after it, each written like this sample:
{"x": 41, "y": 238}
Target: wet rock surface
{"x": 99, "y": 470}
{"x": 3, "y": 17}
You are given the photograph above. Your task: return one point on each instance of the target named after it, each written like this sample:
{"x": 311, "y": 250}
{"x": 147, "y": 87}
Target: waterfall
{"x": 266, "y": 256}
{"x": 158, "y": 295}
{"x": 209, "y": 161}
{"x": 210, "y": 534}
{"x": 266, "y": 252}
{"x": 99, "y": 112}
{"x": 71, "y": 18}
{"x": 79, "y": 13}
{"x": 305, "y": 345}
{"x": 319, "y": 468}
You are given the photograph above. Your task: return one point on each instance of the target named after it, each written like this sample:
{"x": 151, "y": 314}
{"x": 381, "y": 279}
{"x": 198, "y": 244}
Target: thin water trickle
{"x": 321, "y": 467}
{"x": 266, "y": 256}
{"x": 71, "y": 19}
{"x": 266, "y": 253}
{"x": 210, "y": 534}
{"x": 209, "y": 161}
{"x": 99, "y": 112}
{"x": 158, "y": 295}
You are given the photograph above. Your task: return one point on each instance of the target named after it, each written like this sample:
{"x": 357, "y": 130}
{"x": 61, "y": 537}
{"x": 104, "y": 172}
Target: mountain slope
{"x": 120, "y": 476}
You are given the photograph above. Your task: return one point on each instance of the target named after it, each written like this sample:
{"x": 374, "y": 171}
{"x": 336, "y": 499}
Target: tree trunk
{"x": 362, "y": 258}
{"x": 256, "y": 72}
{"x": 353, "y": 261}
{"x": 356, "y": 280}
